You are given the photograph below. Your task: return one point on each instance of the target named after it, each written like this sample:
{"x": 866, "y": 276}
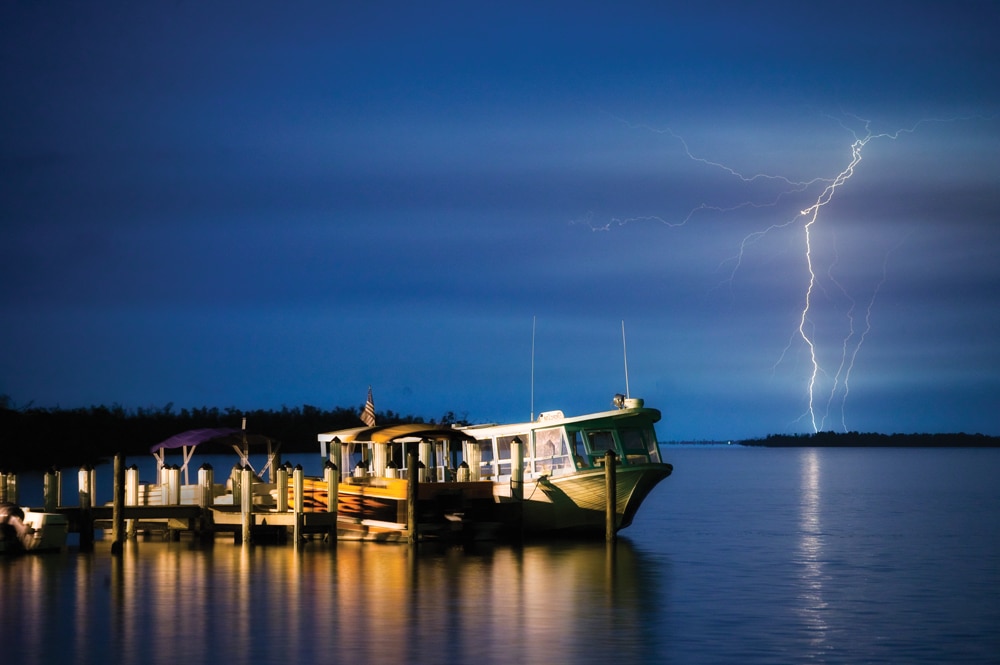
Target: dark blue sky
{"x": 258, "y": 204}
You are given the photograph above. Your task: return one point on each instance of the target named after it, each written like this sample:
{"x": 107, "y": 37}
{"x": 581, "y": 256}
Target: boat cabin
{"x": 554, "y": 445}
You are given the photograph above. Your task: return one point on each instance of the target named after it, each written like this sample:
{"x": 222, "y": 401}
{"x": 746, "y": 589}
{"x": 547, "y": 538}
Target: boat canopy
{"x": 395, "y": 433}
{"x": 193, "y": 437}
{"x": 239, "y": 440}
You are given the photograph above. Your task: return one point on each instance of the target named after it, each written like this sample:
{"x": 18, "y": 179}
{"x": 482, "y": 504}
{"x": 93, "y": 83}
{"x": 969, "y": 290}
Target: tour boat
{"x": 546, "y": 476}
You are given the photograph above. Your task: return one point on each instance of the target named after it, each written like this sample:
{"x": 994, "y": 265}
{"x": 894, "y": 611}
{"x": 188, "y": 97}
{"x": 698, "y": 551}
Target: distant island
{"x": 875, "y": 440}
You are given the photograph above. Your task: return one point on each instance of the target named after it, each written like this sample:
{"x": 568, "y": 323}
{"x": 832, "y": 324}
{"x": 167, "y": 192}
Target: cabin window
{"x": 503, "y": 452}
{"x": 486, "y": 469}
{"x": 580, "y": 456}
{"x": 503, "y": 455}
{"x": 600, "y": 442}
{"x": 551, "y": 453}
{"x": 637, "y": 444}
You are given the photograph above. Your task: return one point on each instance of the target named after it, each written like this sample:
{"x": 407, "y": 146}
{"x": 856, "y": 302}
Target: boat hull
{"x": 577, "y": 503}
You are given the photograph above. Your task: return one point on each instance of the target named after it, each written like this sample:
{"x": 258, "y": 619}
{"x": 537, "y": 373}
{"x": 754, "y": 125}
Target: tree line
{"x": 40, "y": 438}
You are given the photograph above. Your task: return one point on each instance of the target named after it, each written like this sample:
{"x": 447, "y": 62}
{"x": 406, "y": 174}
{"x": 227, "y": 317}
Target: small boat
{"x": 546, "y": 476}
{"x": 26, "y": 530}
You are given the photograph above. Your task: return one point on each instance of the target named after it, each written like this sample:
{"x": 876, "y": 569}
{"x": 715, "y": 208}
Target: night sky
{"x": 258, "y": 204}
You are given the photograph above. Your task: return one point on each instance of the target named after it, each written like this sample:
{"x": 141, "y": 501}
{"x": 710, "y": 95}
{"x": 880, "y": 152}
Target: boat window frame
{"x": 595, "y": 455}
{"x": 554, "y": 464}
{"x": 487, "y": 458}
{"x": 646, "y": 453}
{"x": 500, "y": 443}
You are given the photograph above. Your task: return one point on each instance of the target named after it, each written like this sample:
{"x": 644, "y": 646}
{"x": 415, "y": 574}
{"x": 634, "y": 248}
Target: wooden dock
{"x": 250, "y": 510}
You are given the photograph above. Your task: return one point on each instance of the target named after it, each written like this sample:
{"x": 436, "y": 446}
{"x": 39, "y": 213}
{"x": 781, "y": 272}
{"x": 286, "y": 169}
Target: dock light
{"x": 619, "y": 401}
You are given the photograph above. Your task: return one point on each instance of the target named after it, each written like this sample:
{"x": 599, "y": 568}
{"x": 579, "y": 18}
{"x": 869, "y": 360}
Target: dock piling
{"x": 298, "y": 484}
{"x": 517, "y": 486}
{"x": 332, "y": 477}
{"x": 52, "y": 489}
{"x": 117, "y": 507}
{"x": 131, "y": 498}
{"x": 412, "y": 478}
{"x": 85, "y": 492}
{"x": 281, "y": 483}
{"x": 206, "y": 481}
{"x": 246, "y": 504}
{"x": 8, "y": 487}
{"x": 611, "y": 489}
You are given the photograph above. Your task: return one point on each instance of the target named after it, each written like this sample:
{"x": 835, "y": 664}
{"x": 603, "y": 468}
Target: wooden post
{"x": 83, "y": 487}
{"x": 427, "y": 459}
{"x": 131, "y": 497}
{"x": 298, "y": 481}
{"x": 331, "y": 475}
{"x": 50, "y": 490}
{"x": 412, "y": 479}
{"x": 235, "y": 481}
{"x": 281, "y": 482}
{"x": 611, "y": 489}
{"x": 246, "y": 504}
{"x": 173, "y": 485}
{"x": 85, "y": 491}
{"x": 8, "y": 487}
{"x": 517, "y": 469}
{"x": 164, "y": 483}
{"x": 517, "y": 485}
{"x": 206, "y": 483}
{"x": 117, "y": 507}
{"x": 473, "y": 455}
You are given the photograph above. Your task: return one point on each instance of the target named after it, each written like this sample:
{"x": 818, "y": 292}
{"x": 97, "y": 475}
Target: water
{"x": 743, "y": 555}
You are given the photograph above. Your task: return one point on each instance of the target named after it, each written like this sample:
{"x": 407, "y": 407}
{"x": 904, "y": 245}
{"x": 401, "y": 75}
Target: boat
{"x": 373, "y": 501}
{"x": 26, "y": 530}
{"x": 559, "y": 485}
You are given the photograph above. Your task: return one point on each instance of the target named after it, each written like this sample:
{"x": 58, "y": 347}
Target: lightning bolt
{"x": 809, "y": 218}
{"x": 805, "y": 330}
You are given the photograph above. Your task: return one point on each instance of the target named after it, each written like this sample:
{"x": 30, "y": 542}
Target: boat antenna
{"x": 625, "y": 354}
{"x": 532, "y": 418}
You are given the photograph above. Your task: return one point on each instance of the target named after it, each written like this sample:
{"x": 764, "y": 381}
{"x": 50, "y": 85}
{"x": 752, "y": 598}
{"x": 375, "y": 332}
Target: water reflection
{"x": 173, "y": 602}
{"x": 814, "y": 605}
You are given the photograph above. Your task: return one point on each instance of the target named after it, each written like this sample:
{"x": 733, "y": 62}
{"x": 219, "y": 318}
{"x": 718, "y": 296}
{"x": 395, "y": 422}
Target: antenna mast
{"x": 625, "y": 354}
{"x": 532, "y": 369}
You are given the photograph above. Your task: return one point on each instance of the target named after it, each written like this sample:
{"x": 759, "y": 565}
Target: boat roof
{"x": 225, "y": 436}
{"x": 395, "y": 433}
{"x": 193, "y": 437}
{"x": 551, "y": 419}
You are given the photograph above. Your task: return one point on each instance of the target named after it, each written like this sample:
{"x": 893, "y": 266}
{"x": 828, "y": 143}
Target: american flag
{"x": 368, "y": 415}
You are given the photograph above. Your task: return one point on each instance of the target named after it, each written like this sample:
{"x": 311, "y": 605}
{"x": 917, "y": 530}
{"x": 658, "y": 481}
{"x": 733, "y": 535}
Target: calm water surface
{"x": 743, "y": 555}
